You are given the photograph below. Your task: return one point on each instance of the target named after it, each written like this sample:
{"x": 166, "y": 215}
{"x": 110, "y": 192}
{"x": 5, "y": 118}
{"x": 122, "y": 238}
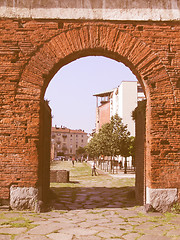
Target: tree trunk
{"x": 125, "y": 165}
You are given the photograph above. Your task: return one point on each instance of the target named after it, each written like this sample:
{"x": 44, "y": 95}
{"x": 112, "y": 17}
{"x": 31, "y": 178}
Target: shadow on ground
{"x": 67, "y": 198}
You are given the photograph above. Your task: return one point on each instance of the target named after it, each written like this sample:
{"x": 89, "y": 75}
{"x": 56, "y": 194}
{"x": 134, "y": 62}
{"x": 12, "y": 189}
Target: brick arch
{"x": 97, "y": 39}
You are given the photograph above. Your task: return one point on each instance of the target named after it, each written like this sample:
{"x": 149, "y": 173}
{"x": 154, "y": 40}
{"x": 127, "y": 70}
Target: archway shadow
{"x": 74, "y": 198}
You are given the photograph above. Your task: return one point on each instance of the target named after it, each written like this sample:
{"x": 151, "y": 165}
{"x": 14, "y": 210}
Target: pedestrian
{"x": 73, "y": 160}
{"x": 120, "y": 164}
{"x": 93, "y": 169}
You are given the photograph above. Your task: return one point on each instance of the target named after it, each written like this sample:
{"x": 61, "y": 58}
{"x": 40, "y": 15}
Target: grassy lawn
{"x": 80, "y": 176}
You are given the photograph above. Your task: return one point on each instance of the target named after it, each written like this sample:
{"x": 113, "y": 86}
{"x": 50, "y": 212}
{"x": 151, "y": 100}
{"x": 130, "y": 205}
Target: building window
{"x": 140, "y": 89}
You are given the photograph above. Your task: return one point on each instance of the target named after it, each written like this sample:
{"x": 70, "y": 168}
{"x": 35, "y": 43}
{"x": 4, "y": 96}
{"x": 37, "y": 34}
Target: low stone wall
{"x": 59, "y": 176}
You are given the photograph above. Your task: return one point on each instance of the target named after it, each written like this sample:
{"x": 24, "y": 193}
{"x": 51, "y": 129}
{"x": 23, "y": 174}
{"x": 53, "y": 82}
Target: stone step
{"x": 4, "y": 207}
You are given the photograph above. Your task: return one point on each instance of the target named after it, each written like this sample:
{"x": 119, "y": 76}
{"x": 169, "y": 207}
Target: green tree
{"x": 92, "y": 147}
{"x": 81, "y": 151}
{"x": 105, "y": 139}
{"x": 132, "y": 149}
{"x": 113, "y": 139}
{"x": 120, "y": 136}
{"x": 121, "y": 139}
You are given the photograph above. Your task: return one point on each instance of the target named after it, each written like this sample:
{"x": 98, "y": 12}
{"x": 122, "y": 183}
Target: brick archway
{"x": 97, "y": 39}
{"x": 111, "y": 41}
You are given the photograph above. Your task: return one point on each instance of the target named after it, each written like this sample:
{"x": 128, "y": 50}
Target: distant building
{"x": 65, "y": 141}
{"x": 102, "y": 108}
{"x": 122, "y": 101}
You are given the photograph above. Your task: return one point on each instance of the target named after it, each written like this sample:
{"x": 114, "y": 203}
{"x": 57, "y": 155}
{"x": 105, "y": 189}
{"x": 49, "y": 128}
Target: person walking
{"x": 73, "y": 160}
{"x": 93, "y": 169}
{"x": 120, "y": 164}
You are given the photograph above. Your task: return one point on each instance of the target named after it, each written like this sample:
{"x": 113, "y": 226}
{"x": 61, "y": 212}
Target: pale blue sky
{"x": 71, "y": 90}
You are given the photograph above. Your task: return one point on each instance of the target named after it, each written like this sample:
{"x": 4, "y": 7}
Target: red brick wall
{"x": 104, "y": 114}
{"x": 32, "y": 51}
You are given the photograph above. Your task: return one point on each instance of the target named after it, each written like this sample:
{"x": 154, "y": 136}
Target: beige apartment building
{"x": 65, "y": 141}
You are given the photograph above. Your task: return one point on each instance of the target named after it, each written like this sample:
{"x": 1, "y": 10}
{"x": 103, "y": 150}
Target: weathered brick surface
{"x": 31, "y": 52}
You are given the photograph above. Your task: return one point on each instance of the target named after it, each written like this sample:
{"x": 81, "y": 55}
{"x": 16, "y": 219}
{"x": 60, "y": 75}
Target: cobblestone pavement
{"x": 90, "y": 224}
{"x": 94, "y": 212}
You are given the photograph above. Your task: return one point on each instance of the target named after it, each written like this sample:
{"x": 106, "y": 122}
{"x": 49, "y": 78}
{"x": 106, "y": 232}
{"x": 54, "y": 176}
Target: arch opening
{"x": 124, "y": 82}
{"x": 99, "y": 52}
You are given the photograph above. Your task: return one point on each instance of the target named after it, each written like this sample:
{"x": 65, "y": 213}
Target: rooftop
{"x": 103, "y": 94}
{"x": 67, "y": 130}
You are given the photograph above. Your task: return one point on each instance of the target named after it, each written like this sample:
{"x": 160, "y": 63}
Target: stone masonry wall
{"x": 59, "y": 176}
{"x": 140, "y": 10}
{"x": 32, "y": 51}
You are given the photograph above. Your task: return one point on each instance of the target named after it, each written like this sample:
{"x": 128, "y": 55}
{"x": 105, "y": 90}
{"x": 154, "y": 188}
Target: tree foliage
{"x": 113, "y": 139}
{"x": 80, "y": 151}
{"x": 93, "y": 147}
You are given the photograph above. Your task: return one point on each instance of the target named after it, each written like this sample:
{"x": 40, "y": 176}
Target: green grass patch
{"x": 176, "y": 208}
{"x": 96, "y": 212}
{"x": 79, "y": 169}
{"x": 155, "y": 219}
{"x": 2, "y": 215}
{"x": 141, "y": 215}
{"x": 13, "y": 236}
{"x": 168, "y": 216}
{"x": 19, "y": 222}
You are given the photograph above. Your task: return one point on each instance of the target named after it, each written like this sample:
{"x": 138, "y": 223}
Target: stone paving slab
{"x": 87, "y": 238}
{"x": 9, "y": 230}
{"x": 30, "y": 237}
{"x": 174, "y": 232}
{"x": 60, "y": 236}
{"x": 106, "y": 235}
{"x": 131, "y": 236}
{"x": 45, "y": 229}
{"x": 154, "y": 237}
{"x": 79, "y": 231}
{"x": 5, "y": 237}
